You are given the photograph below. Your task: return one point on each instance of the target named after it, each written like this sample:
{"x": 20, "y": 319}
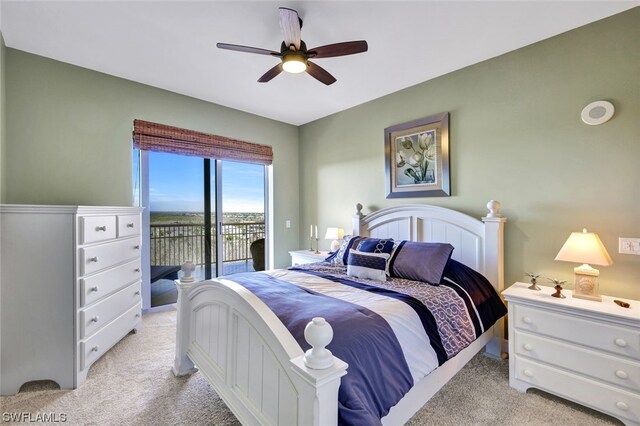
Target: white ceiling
{"x": 171, "y": 44}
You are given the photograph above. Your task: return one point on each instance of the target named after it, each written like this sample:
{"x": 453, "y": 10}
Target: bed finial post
{"x": 318, "y": 333}
{"x": 320, "y": 374}
{"x": 357, "y": 219}
{"x": 494, "y": 208}
{"x": 494, "y": 267}
{"x": 183, "y": 365}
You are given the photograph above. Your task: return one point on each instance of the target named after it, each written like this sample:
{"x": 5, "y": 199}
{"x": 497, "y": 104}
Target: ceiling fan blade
{"x": 339, "y": 49}
{"x": 320, "y": 74}
{"x": 290, "y": 24}
{"x": 247, "y": 49}
{"x": 269, "y": 75}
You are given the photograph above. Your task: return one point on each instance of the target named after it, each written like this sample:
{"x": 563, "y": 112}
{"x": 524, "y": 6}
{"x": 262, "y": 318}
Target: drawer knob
{"x": 95, "y": 348}
{"x": 620, "y": 342}
{"x": 526, "y": 320}
{"x": 95, "y": 319}
{"x": 94, "y": 289}
{"x": 527, "y": 347}
{"x": 129, "y": 225}
{"x": 621, "y": 405}
{"x": 136, "y": 247}
{"x": 136, "y": 270}
{"x": 528, "y": 373}
{"x": 137, "y": 315}
{"x": 101, "y": 228}
{"x": 137, "y": 293}
{"x": 621, "y": 374}
{"x": 93, "y": 259}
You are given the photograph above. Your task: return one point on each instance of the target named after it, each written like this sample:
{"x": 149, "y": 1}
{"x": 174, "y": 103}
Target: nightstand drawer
{"x": 610, "y": 368}
{"x": 611, "y": 400}
{"x": 599, "y": 335}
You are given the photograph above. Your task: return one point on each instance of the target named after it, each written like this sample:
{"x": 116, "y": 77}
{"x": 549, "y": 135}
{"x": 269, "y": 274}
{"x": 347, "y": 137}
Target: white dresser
{"x": 588, "y": 352}
{"x": 70, "y": 282}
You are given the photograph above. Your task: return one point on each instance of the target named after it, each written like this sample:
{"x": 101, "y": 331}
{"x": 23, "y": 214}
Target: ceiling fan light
{"x": 294, "y": 64}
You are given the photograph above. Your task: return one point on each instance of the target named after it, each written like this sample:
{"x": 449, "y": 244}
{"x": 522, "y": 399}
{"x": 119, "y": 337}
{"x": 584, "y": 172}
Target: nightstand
{"x": 584, "y": 351}
{"x": 300, "y": 257}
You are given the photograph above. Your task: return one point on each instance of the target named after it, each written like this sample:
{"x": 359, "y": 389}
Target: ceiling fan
{"x": 294, "y": 54}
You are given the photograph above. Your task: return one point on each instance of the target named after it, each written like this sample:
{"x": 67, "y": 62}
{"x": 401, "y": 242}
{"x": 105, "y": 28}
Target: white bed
{"x": 258, "y": 368}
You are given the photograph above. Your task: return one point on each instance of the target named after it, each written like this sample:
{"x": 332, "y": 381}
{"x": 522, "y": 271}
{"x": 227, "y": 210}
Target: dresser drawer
{"x": 610, "y": 368}
{"x": 616, "y": 402}
{"x": 97, "y": 286}
{"x": 95, "y": 317}
{"x": 96, "y": 258}
{"x": 128, "y": 225}
{"x": 97, "y": 228}
{"x": 95, "y": 346}
{"x": 599, "y": 335}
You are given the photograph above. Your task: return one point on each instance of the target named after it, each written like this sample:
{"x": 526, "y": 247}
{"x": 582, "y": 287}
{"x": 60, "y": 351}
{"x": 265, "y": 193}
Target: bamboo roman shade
{"x": 159, "y": 137}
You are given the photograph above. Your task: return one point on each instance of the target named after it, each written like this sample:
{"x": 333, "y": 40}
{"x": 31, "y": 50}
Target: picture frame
{"x": 417, "y": 158}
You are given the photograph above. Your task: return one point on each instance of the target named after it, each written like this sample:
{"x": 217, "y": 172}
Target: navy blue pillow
{"x": 341, "y": 256}
{"x": 420, "y": 261}
{"x": 370, "y": 266}
{"x": 375, "y": 245}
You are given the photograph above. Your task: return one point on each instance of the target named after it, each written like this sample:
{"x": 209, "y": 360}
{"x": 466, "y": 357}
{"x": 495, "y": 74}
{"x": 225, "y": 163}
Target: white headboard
{"x": 478, "y": 243}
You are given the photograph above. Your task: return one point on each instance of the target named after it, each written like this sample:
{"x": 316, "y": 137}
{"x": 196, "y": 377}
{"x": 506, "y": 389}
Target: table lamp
{"x": 585, "y": 247}
{"x": 334, "y": 234}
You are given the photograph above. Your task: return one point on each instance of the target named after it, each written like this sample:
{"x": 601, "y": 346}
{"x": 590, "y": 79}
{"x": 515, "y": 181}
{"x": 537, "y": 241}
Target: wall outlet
{"x": 629, "y": 245}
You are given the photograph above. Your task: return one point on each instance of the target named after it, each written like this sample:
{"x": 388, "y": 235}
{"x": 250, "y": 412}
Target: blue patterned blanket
{"x": 392, "y": 334}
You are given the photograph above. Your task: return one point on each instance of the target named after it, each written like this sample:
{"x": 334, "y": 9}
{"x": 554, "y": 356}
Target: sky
{"x": 176, "y": 183}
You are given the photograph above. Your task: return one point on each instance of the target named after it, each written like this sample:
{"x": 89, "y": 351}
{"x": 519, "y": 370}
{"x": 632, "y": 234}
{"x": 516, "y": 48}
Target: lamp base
{"x": 586, "y": 283}
{"x": 335, "y": 245}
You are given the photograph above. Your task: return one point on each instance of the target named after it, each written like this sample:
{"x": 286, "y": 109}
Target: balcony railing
{"x": 173, "y": 244}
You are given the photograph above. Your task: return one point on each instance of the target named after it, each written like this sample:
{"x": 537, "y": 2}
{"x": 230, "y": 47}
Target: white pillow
{"x": 369, "y": 266}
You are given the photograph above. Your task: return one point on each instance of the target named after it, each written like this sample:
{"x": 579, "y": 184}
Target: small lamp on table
{"x": 585, "y": 247}
{"x": 334, "y": 234}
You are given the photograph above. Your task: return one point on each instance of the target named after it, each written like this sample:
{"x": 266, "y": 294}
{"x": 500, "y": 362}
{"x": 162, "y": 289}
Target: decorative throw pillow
{"x": 375, "y": 245}
{"x": 370, "y": 266}
{"x": 420, "y": 261}
{"x": 341, "y": 256}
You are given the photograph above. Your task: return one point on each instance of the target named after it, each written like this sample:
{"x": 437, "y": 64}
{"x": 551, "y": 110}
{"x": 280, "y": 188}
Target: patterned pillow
{"x": 375, "y": 245}
{"x": 369, "y": 266}
{"x": 420, "y": 261}
{"x": 341, "y": 256}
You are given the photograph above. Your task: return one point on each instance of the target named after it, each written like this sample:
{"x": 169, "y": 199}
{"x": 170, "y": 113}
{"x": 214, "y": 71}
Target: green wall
{"x": 69, "y": 137}
{"x": 515, "y": 136}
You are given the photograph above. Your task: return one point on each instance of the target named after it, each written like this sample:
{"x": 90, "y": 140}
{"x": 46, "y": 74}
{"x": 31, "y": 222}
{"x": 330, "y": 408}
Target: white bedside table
{"x": 300, "y": 257}
{"x": 588, "y": 352}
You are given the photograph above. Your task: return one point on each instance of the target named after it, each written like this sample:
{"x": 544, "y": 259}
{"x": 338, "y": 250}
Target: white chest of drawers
{"x": 70, "y": 285}
{"x": 588, "y": 352}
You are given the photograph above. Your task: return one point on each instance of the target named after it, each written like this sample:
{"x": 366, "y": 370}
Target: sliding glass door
{"x": 242, "y": 237}
{"x": 180, "y": 214}
{"x": 211, "y": 212}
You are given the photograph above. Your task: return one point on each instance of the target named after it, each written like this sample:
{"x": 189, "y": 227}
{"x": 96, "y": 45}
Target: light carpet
{"x": 132, "y": 384}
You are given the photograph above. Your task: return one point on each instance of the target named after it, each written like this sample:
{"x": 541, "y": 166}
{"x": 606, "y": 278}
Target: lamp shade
{"x": 584, "y": 247}
{"x": 334, "y": 234}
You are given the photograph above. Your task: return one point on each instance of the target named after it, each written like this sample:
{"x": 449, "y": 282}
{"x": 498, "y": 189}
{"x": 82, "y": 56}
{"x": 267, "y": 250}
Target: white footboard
{"x": 251, "y": 359}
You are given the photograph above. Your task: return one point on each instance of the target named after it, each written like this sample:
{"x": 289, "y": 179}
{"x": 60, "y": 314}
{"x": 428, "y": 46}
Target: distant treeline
{"x": 166, "y": 218}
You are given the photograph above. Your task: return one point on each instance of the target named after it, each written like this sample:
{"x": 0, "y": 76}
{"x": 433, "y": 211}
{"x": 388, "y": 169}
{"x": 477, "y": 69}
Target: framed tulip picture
{"x": 417, "y": 158}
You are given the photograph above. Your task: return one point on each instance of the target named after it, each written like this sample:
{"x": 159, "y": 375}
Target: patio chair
{"x": 257, "y": 253}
